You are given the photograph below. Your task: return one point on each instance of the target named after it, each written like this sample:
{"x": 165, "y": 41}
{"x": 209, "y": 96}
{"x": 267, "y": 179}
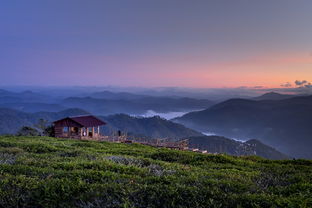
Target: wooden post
{"x": 93, "y": 132}
{"x": 84, "y": 132}
{"x": 98, "y": 131}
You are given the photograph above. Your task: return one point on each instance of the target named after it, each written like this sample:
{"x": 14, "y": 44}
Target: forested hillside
{"x": 283, "y": 124}
{"x": 153, "y": 127}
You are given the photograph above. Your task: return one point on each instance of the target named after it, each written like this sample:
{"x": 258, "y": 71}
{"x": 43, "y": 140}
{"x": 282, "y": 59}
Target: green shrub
{"x": 28, "y": 131}
{"x": 39, "y": 148}
{"x": 50, "y": 172}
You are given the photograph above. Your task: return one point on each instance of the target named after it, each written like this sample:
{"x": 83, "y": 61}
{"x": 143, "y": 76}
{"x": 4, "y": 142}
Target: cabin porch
{"x": 82, "y": 127}
{"x": 79, "y": 133}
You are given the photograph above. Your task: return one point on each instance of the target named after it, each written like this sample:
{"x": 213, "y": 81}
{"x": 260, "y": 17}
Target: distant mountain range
{"x": 101, "y": 103}
{"x": 23, "y": 97}
{"x": 33, "y": 107}
{"x": 116, "y": 95}
{"x": 137, "y": 106}
{"x": 284, "y": 124}
{"x": 273, "y": 96}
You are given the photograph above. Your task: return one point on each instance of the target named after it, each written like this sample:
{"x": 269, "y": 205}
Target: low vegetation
{"x": 50, "y": 172}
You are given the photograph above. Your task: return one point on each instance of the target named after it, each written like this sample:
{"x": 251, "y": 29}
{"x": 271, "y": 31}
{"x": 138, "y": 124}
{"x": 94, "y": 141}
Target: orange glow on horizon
{"x": 266, "y": 71}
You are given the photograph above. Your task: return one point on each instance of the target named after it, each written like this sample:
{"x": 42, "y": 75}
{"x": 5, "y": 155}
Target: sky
{"x": 163, "y": 43}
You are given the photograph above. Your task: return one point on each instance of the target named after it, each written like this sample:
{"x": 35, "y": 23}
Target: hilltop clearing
{"x": 50, "y": 172}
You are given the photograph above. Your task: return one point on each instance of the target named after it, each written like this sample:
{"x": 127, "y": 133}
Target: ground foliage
{"x": 50, "y": 172}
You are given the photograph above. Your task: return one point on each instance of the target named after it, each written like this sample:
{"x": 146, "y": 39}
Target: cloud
{"x": 301, "y": 83}
{"x": 308, "y": 85}
{"x": 259, "y": 87}
{"x": 287, "y": 84}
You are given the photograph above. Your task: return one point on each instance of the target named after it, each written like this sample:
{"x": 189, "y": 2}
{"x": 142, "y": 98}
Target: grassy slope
{"x": 50, "y": 172}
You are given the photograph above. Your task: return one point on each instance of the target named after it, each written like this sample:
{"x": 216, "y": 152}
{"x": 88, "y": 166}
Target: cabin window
{"x": 65, "y": 129}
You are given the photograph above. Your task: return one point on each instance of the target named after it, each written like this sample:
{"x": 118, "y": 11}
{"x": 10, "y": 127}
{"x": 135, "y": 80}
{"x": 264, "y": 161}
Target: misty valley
{"x": 273, "y": 125}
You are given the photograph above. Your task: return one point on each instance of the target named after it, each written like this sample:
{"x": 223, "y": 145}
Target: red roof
{"x": 83, "y": 121}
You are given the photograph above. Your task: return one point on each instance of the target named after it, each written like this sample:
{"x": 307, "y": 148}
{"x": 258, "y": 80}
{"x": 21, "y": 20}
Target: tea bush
{"x": 51, "y": 172}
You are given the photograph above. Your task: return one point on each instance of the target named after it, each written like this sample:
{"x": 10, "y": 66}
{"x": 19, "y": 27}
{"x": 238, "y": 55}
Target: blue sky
{"x": 156, "y": 43}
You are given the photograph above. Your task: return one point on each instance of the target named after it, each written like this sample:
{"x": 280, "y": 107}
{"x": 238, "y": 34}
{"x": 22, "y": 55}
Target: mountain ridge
{"x": 283, "y": 124}
{"x": 274, "y": 96}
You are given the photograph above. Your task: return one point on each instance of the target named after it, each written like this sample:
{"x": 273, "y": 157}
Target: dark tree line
{"x": 41, "y": 128}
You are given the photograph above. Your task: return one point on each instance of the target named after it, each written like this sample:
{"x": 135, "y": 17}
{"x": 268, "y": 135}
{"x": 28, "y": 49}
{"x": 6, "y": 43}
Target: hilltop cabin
{"x": 80, "y": 127}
